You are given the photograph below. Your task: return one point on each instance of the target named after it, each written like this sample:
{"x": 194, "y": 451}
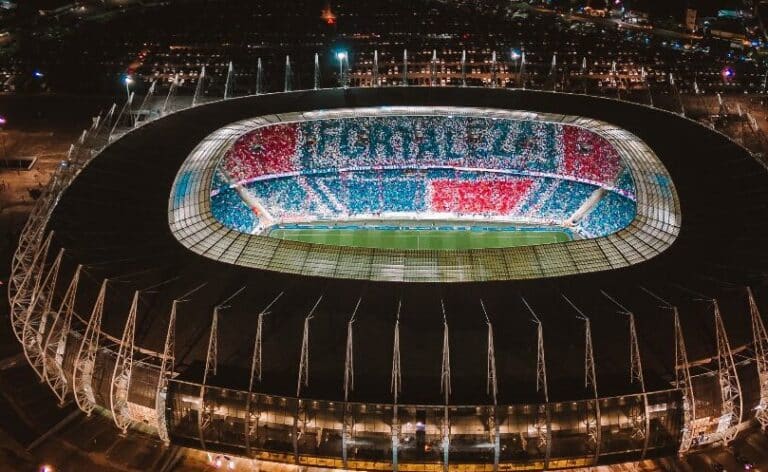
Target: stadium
{"x": 405, "y": 278}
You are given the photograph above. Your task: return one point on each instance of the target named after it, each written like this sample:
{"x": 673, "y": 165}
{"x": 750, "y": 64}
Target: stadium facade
{"x": 171, "y": 329}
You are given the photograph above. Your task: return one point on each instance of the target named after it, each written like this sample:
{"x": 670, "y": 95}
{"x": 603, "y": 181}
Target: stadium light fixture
{"x": 341, "y": 56}
{"x": 128, "y": 80}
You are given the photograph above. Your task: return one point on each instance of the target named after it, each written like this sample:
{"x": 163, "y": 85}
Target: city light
{"x": 728, "y": 73}
{"x": 341, "y": 56}
{"x": 128, "y": 81}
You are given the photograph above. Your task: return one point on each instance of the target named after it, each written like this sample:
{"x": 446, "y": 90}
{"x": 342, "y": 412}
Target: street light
{"x": 128, "y": 81}
{"x": 515, "y": 55}
{"x": 341, "y": 56}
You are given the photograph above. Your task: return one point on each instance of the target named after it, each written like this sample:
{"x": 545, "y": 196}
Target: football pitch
{"x": 421, "y": 239}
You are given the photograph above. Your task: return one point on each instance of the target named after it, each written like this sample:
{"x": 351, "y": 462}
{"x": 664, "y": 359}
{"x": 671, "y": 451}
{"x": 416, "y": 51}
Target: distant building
{"x": 637, "y": 17}
{"x": 690, "y": 20}
{"x": 596, "y": 8}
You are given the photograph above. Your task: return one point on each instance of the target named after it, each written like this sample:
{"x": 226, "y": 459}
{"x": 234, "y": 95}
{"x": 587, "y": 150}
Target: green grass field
{"x": 421, "y": 239}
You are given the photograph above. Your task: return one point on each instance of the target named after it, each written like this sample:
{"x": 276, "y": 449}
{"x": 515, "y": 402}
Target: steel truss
{"x": 299, "y": 419}
{"x": 32, "y": 232}
{"x": 445, "y": 389}
{"x": 44, "y": 331}
{"x": 205, "y": 415}
{"x": 590, "y": 378}
{"x": 494, "y": 70}
{"x": 316, "y": 73}
{"x": 683, "y": 379}
{"x": 347, "y": 426}
{"x": 144, "y": 105}
{"x": 251, "y": 419}
{"x": 760, "y": 347}
{"x": 199, "y": 87}
{"x": 56, "y": 341}
{"x": 125, "y": 109}
{"x": 167, "y": 366}
{"x": 31, "y": 252}
{"x": 28, "y": 288}
{"x": 433, "y": 69}
{"x": 288, "y": 75}
{"x": 259, "y": 77}
{"x": 637, "y": 414}
{"x": 542, "y": 422}
{"x": 396, "y": 387}
{"x": 728, "y": 378}
{"x": 24, "y": 258}
{"x": 684, "y": 382}
{"x": 120, "y": 386}
{"x": 36, "y": 319}
{"x": 229, "y": 84}
{"x": 85, "y": 361}
{"x": 171, "y": 94}
{"x": 492, "y": 389}
{"x": 592, "y": 423}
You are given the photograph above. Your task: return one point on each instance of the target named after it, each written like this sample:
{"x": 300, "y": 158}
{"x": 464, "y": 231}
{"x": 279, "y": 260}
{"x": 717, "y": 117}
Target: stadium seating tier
{"x": 437, "y": 166}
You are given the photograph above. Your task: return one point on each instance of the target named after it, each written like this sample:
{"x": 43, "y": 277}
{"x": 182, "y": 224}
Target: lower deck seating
{"x": 335, "y": 196}
{"x": 612, "y": 213}
{"x": 232, "y": 211}
{"x": 566, "y": 199}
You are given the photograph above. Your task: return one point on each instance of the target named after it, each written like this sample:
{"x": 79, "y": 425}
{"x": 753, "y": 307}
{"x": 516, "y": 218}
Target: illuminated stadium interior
{"x": 433, "y": 179}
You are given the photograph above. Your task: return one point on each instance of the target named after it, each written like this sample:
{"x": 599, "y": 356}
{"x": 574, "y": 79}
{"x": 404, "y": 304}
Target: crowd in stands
{"x": 332, "y": 169}
{"x": 491, "y": 196}
{"x": 263, "y": 151}
{"x": 387, "y": 193}
{"x": 521, "y": 147}
{"x": 612, "y": 213}
{"x": 565, "y": 199}
{"x": 230, "y": 210}
{"x": 588, "y": 156}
